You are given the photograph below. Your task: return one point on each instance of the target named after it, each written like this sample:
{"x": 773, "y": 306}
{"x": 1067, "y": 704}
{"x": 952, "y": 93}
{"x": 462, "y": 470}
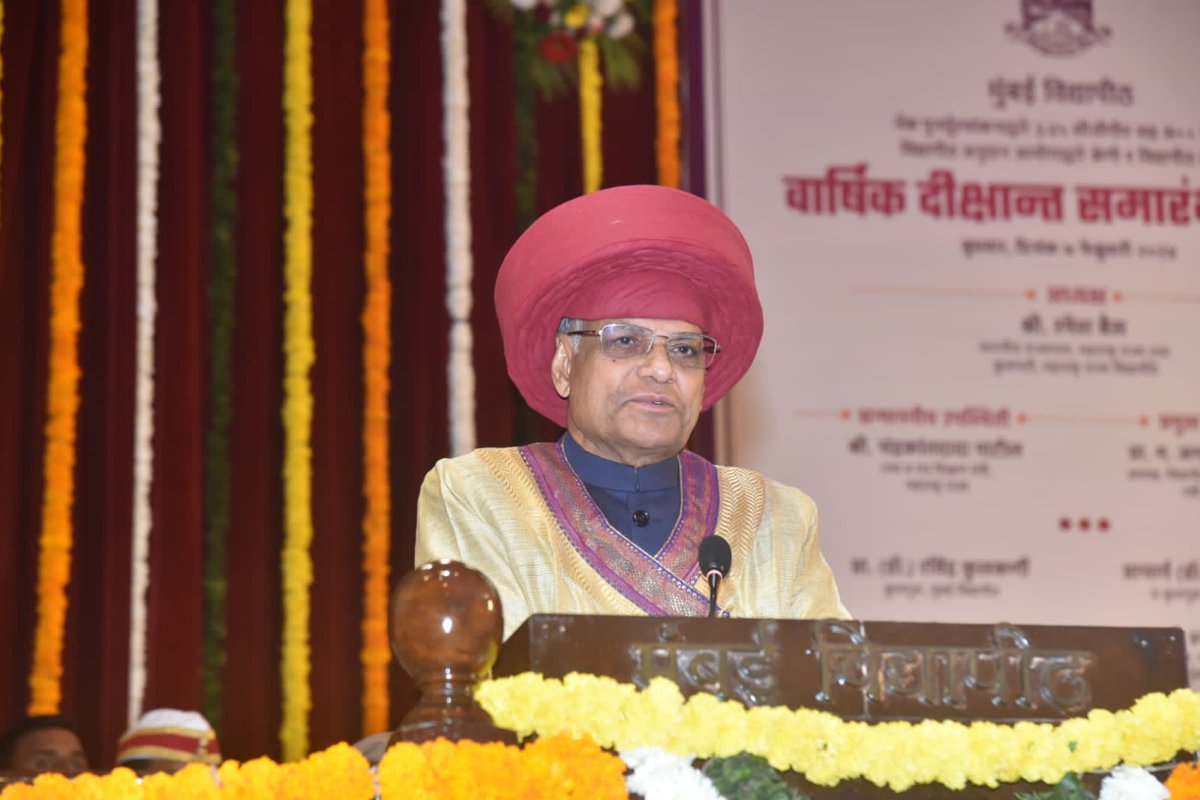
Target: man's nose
{"x": 657, "y": 362}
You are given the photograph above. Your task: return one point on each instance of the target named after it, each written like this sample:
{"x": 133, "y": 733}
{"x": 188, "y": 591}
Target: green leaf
{"x": 749, "y": 777}
{"x": 502, "y": 9}
{"x": 621, "y": 68}
{"x": 1069, "y": 788}
{"x": 640, "y": 8}
{"x": 552, "y": 80}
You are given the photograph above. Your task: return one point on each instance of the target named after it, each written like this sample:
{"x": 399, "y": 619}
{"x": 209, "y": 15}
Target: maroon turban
{"x": 629, "y": 251}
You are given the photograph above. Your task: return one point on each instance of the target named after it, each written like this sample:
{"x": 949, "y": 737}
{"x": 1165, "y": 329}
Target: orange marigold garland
{"x": 552, "y": 767}
{"x": 376, "y": 321}
{"x": 666, "y": 68}
{"x": 555, "y": 767}
{"x": 259, "y": 777}
{"x": 339, "y": 771}
{"x": 193, "y": 782}
{"x": 54, "y": 557}
{"x": 1184, "y": 782}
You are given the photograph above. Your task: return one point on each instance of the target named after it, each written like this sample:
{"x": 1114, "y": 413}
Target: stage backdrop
{"x": 976, "y": 231}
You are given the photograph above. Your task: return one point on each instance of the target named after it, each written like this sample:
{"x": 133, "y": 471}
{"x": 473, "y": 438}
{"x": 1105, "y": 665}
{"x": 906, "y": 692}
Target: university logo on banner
{"x": 1058, "y": 27}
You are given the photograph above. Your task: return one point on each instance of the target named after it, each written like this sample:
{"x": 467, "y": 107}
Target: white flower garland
{"x": 1132, "y": 783}
{"x": 659, "y": 775}
{"x": 149, "y": 136}
{"x": 456, "y": 173}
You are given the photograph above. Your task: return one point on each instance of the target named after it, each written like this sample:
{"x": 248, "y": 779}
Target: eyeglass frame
{"x": 710, "y": 356}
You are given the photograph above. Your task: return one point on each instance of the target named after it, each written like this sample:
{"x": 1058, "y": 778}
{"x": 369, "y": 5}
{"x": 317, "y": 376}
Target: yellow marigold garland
{"x": 666, "y": 70}
{"x": 553, "y": 767}
{"x": 828, "y": 750}
{"x": 299, "y": 353}
{"x": 58, "y": 493}
{"x": 376, "y": 320}
{"x": 591, "y": 82}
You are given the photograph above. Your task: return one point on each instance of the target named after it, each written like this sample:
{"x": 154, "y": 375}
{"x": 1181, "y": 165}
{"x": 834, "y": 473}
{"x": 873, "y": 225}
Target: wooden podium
{"x": 870, "y": 671}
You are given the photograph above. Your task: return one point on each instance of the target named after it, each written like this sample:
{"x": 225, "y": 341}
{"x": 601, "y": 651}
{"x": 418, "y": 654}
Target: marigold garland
{"x": 829, "y": 750}
{"x": 1184, "y": 782}
{"x": 591, "y": 83}
{"x": 666, "y": 69}
{"x": 376, "y": 321}
{"x": 553, "y": 767}
{"x": 339, "y": 771}
{"x": 66, "y": 284}
{"x": 193, "y": 782}
{"x": 299, "y": 354}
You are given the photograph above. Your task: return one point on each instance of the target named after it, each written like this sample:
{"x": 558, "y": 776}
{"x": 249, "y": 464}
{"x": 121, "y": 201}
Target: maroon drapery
{"x": 96, "y": 656}
{"x": 256, "y": 434}
{"x": 100, "y": 569}
{"x": 26, "y": 220}
{"x": 174, "y": 599}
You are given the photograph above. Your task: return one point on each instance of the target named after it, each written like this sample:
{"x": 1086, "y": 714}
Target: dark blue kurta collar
{"x": 596, "y": 471}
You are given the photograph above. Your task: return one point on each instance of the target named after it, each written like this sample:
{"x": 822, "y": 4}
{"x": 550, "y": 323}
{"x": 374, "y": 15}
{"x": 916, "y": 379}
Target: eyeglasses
{"x": 622, "y": 340}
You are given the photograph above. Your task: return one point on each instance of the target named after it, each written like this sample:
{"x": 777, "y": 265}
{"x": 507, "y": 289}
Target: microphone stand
{"x": 714, "y": 580}
{"x": 714, "y": 559}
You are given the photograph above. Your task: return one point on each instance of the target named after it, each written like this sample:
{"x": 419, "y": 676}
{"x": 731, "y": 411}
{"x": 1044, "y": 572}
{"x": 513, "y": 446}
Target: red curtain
{"x": 95, "y": 656}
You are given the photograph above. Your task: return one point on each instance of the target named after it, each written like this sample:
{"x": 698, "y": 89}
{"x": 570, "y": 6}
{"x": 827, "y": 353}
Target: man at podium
{"x": 625, "y": 313}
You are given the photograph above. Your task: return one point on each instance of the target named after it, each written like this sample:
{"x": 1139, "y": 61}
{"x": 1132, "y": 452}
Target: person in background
{"x": 39, "y": 744}
{"x": 167, "y": 740}
{"x": 625, "y": 313}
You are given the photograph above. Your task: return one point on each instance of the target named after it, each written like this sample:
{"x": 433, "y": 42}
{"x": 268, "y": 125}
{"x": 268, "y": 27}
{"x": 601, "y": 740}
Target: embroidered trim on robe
{"x": 662, "y": 586}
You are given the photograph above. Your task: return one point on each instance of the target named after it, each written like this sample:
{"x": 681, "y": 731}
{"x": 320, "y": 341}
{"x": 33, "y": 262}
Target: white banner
{"x": 976, "y": 231}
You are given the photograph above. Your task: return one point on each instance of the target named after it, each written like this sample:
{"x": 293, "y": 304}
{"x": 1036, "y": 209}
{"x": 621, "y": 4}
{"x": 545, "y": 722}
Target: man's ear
{"x": 560, "y": 366}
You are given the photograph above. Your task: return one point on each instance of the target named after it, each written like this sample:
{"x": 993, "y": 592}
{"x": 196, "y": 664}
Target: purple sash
{"x": 661, "y": 586}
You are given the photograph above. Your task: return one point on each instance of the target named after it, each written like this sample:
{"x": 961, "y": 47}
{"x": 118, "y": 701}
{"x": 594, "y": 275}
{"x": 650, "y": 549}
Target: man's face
{"x": 637, "y": 410}
{"x": 49, "y": 750}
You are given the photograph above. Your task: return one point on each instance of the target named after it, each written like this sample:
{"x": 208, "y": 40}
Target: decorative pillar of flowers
{"x": 456, "y": 178}
{"x": 591, "y": 85}
{"x": 62, "y": 395}
{"x": 377, "y": 347}
{"x": 666, "y": 95}
{"x": 299, "y": 354}
{"x": 149, "y": 135}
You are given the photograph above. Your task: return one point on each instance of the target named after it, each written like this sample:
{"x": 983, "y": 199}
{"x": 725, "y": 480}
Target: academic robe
{"x": 523, "y": 518}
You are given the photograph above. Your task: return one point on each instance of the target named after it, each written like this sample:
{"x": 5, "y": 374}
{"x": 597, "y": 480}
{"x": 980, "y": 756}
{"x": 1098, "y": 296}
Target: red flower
{"x": 558, "y": 47}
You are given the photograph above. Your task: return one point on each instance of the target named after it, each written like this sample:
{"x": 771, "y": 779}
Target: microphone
{"x": 715, "y": 560}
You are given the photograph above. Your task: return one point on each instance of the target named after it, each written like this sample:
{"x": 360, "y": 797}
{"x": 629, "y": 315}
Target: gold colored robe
{"x": 522, "y": 517}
